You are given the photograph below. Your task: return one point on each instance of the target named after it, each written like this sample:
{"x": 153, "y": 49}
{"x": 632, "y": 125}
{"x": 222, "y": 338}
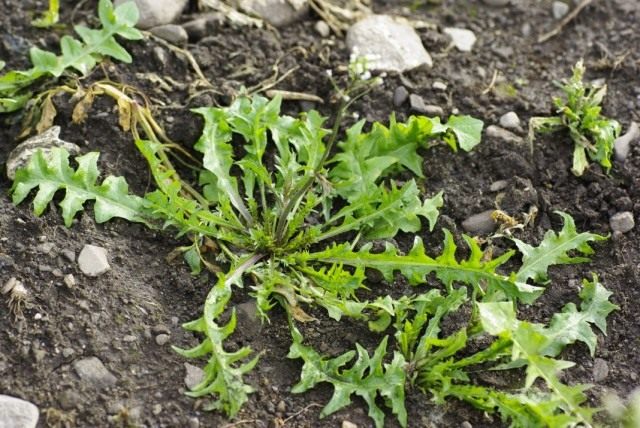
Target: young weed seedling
{"x": 290, "y": 207}
{"x": 593, "y": 135}
{"x": 81, "y": 56}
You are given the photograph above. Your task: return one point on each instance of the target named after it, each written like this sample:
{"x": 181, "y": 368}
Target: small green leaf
{"x": 554, "y": 249}
{"x": 368, "y": 377}
{"x": 467, "y": 130}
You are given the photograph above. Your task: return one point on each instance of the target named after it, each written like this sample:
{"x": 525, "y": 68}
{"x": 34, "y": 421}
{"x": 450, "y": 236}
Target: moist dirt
{"x": 117, "y": 317}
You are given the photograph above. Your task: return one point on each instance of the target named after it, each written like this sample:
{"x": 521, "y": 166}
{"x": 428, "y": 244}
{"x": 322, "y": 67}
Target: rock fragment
{"x": 480, "y": 224}
{"x": 502, "y": 134}
{"x": 278, "y": 13}
{"x": 193, "y": 376}
{"x": 462, "y": 38}
{"x": 559, "y": 9}
{"x": 49, "y": 139}
{"x": 496, "y": 2}
{"x": 17, "y": 413}
{"x": 600, "y": 370}
{"x": 622, "y": 222}
{"x": 93, "y": 260}
{"x": 400, "y": 95}
{"x": 156, "y": 12}
{"x": 510, "y": 120}
{"x": 389, "y": 45}
{"x": 162, "y": 339}
{"x": 93, "y": 373}
{"x": 171, "y": 33}
{"x": 622, "y": 145}
{"x": 348, "y": 424}
{"x": 322, "y": 28}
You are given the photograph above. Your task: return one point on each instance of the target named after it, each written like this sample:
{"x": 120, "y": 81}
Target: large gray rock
{"x": 17, "y": 413}
{"x": 389, "y": 45}
{"x": 93, "y": 260}
{"x": 156, "y": 12}
{"x": 94, "y": 373}
{"x": 277, "y": 12}
{"x": 19, "y": 157}
{"x": 622, "y": 222}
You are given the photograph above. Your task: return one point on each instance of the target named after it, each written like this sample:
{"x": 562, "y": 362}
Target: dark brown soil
{"x": 116, "y": 317}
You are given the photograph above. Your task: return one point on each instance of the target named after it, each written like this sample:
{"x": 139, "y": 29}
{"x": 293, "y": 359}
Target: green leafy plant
{"x": 50, "y": 17}
{"x": 80, "y": 55}
{"x": 291, "y": 207}
{"x": 593, "y": 134}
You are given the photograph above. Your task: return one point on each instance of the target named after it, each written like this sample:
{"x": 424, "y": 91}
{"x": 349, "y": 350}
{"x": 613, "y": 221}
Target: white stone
{"x": 462, "y": 38}
{"x": 389, "y": 45}
{"x": 622, "y": 222}
{"x": 510, "y": 120}
{"x": 20, "y": 156}
{"x": 622, "y": 145}
{"x": 348, "y": 424}
{"x": 439, "y": 86}
{"x": 17, "y": 413}
{"x": 322, "y": 28}
{"x": 93, "y": 260}
{"x": 278, "y": 13}
{"x": 193, "y": 376}
{"x": 92, "y": 371}
{"x": 559, "y": 9}
{"x": 172, "y": 33}
{"x": 156, "y": 12}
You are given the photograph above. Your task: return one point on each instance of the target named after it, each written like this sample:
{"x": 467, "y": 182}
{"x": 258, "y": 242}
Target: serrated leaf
{"x": 416, "y": 265}
{"x": 224, "y": 370}
{"x": 554, "y": 249}
{"x": 52, "y": 172}
{"x": 367, "y": 377}
{"x": 573, "y": 325}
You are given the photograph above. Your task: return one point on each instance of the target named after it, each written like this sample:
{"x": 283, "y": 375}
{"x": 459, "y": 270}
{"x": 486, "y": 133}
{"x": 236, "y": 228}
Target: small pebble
{"x": 480, "y": 224}
{"x": 466, "y": 424}
{"x": 129, "y": 338}
{"x": 322, "y": 28}
{"x": 162, "y": 339}
{"x": 622, "y": 222}
{"x": 502, "y": 134}
{"x": 440, "y": 86}
{"x": 559, "y": 9}
{"x": 193, "y": 376}
{"x": 69, "y": 281}
{"x": 400, "y": 96}
{"x": 69, "y": 255}
{"x": 600, "y": 370}
{"x": 93, "y": 260}
{"x": 157, "y": 409}
{"x": 193, "y": 422}
{"x": 461, "y": 38}
{"x": 67, "y": 352}
{"x": 510, "y": 120}
{"x": 496, "y": 186}
{"x": 281, "y": 407}
{"x": 496, "y": 2}
{"x": 348, "y": 424}
{"x": 45, "y": 248}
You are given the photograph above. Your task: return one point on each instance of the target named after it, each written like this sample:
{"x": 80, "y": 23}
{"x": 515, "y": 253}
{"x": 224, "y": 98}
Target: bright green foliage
{"x": 51, "y": 172}
{"x": 274, "y": 191}
{"x": 554, "y": 249}
{"x": 223, "y": 375}
{"x": 368, "y": 377}
{"x": 81, "y": 55}
{"x": 50, "y": 17}
{"x": 416, "y": 265}
{"x": 579, "y": 113}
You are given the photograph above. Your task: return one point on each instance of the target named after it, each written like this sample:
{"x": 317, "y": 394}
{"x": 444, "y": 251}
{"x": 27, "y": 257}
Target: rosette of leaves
{"x": 592, "y": 133}
{"x": 289, "y": 207}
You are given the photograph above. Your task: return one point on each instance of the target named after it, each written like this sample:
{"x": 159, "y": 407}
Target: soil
{"x": 116, "y": 317}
